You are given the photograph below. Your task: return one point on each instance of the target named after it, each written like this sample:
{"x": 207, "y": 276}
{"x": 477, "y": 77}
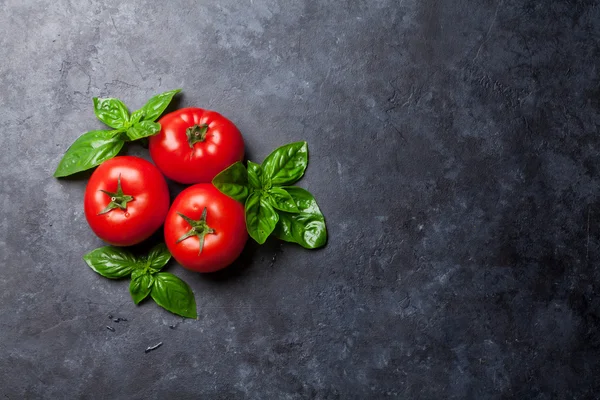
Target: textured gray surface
{"x": 453, "y": 149}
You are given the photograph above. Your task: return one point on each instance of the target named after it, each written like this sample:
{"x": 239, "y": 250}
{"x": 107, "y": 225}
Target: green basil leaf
{"x": 174, "y": 295}
{"x": 143, "y": 129}
{"x": 111, "y": 262}
{"x": 136, "y": 116}
{"x": 286, "y": 164}
{"x": 89, "y": 150}
{"x": 233, "y": 181}
{"x": 112, "y": 112}
{"x": 255, "y": 173}
{"x": 261, "y": 218}
{"x": 140, "y": 285}
{"x": 304, "y": 200}
{"x": 281, "y": 200}
{"x": 155, "y": 106}
{"x": 159, "y": 256}
{"x": 307, "y": 228}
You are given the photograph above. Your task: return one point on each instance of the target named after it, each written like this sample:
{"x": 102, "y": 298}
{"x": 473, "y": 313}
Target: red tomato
{"x": 194, "y": 145}
{"x": 203, "y": 216}
{"x": 126, "y": 200}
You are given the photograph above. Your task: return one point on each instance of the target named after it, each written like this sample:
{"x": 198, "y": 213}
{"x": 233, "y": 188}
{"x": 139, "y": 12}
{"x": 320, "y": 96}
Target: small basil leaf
{"x": 143, "y": 129}
{"x": 261, "y": 218}
{"x": 111, "y": 262}
{"x": 159, "y": 256}
{"x": 286, "y": 164}
{"x": 254, "y": 175}
{"x": 307, "y": 228}
{"x": 140, "y": 285}
{"x": 155, "y": 106}
{"x": 89, "y": 150}
{"x": 281, "y": 200}
{"x": 174, "y": 295}
{"x": 112, "y": 112}
{"x": 233, "y": 181}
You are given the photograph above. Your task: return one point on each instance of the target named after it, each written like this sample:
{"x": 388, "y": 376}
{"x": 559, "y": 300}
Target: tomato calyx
{"x": 196, "y": 134}
{"x": 199, "y": 228}
{"x": 118, "y": 199}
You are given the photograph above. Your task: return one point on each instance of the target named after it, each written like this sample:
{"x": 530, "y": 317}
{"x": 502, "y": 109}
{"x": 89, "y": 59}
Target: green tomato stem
{"x": 196, "y": 133}
{"x": 199, "y": 228}
{"x": 118, "y": 199}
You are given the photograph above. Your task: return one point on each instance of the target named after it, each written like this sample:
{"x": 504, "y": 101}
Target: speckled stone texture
{"x": 453, "y": 150}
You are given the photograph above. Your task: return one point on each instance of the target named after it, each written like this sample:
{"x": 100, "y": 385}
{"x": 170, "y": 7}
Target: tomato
{"x": 205, "y": 230}
{"x": 126, "y": 200}
{"x": 194, "y": 145}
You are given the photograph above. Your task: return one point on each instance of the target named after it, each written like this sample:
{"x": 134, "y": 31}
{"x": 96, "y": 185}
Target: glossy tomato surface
{"x": 194, "y": 145}
{"x": 224, "y": 217}
{"x": 142, "y": 215}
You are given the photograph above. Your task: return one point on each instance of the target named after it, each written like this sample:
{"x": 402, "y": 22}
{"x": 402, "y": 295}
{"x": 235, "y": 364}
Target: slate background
{"x": 453, "y": 150}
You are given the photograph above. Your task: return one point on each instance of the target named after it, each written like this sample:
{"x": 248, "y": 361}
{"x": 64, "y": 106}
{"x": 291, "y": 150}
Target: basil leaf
{"x": 159, "y": 256}
{"x": 143, "y": 129}
{"x": 112, "y": 112}
{"x": 140, "y": 285}
{"x": 136, "y": 116}
{"x": 233, "y": 181}
{"x": 89, "y": 150}
{"x": 261, "y": 218}
{"x": 255, "y": 173}
{"x": 174, "y": 295}
{"x": 155, "y": 106}
{"x": 307, "y": 228}
{"x": 111, "y": 262}
{"x": 286, "y": 164}
{"x": 304, "y": 200}
{"x": 281, "y": 200}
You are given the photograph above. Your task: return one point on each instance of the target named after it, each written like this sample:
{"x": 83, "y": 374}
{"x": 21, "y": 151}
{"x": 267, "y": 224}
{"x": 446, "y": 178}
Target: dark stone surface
{"x": 453, "y": 150}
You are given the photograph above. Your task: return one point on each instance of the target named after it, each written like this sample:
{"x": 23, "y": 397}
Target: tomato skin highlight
{"x": 200, "y": 162}
{"x": 224, "y": 215}
{"x": 144, "y": 214}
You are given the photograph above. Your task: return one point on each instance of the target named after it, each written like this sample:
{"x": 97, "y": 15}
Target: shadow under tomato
{"x": 144, "y": 248}
{"x": 239, "y": 267}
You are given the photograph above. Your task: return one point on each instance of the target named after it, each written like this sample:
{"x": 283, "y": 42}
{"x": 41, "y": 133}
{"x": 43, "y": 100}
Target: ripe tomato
{"x": 205, "y": 230}
{"x": 194, "y": 145}
{"x": 126, "y": 200}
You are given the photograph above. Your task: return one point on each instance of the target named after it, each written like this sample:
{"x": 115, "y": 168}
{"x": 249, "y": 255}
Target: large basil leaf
{"x": 286, "y": 164}
{"x": 281, "y": 200}
{"x": 255, "y": 173}
{"x": 174, "y": 295}
{"x": 233, "y": 181}
{"x": 89, "y": 150}
{"x": 304, "y": 200}
{"x": 154, "y": 107}
{"x": 112, "y": 112}
{"x": 140, "y": 285}
{"x": 261, "y": 218}
{"x": 307, "y": 228}
{"x": 111, "y": 262}
{"x": 159, "y": 256}
{"x": 143, "y": 129}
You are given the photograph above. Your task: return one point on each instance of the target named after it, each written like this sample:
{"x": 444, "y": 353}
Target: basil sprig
{"x": 167, "y": 290}
{"x": 273, "y": 207}
{"x": 94, "y": 147}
